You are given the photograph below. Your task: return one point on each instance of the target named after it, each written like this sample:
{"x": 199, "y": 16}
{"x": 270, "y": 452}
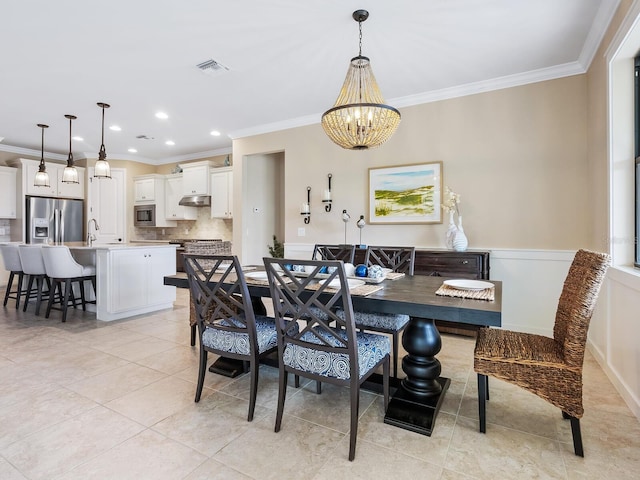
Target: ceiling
{"x": 287, "y": 60}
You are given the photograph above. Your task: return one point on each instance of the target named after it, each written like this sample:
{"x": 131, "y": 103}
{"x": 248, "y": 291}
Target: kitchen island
{"x": 129, "y": 277}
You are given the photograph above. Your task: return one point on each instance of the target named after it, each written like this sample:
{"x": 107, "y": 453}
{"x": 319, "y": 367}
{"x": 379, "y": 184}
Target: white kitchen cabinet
{"x": 144, "y": 190}
{"x": 195, "y": 178}
{"x": 130, "y": 280}
{"x": 56, "y": 187}
{"x": 106, "y": 203}
{"x": 8, "y": 192}
{"x": 222, "y": 193}
{"x": 150, "y": 190}
{"x": 173, "y": 194}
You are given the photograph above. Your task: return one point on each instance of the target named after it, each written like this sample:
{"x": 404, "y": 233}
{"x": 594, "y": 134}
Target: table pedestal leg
{"x": 416, "y": 403}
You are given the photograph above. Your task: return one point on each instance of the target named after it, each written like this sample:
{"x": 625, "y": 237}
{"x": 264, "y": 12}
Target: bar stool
{"x": 13, "y": 265}
{"x": 62, "y": 267}
{"x": 33, "y": 265}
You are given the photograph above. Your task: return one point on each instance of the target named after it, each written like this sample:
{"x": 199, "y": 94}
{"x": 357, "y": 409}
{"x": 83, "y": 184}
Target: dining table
{"x": 419, "y": 395}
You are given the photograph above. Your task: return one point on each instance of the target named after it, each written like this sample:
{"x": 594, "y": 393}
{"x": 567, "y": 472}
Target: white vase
{"x": 460, "y": 241}
{"x": 451, "y": 231}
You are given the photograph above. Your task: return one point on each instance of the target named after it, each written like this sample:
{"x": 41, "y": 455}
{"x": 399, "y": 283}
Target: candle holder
{"x": 306, "y": 207}
{"x": 327, "y": 196}
{"x": 345, "y": 219}
{"x": 360, "y": 224}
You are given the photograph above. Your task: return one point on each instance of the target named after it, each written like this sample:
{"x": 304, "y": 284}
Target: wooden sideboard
{"x": 446, "y": 263}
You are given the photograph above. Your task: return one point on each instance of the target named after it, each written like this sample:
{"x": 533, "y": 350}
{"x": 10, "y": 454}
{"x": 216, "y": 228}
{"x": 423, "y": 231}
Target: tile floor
{"x": 114, "y": 400}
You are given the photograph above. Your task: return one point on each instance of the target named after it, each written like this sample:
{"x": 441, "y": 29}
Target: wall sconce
{"x": 306, "y": 207}
{"x": 345, "y": 219}
{"x": 360, "y": 224}
{"x": 327, "y": 196}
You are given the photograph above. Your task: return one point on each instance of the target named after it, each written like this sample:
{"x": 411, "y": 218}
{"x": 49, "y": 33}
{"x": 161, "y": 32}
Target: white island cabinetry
{"x": 130, "y": 280}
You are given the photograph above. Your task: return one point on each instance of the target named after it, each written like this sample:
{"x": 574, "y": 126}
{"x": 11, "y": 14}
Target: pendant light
{"x": 70, "y": 173}
{"x": 102, "y": 169}
{"x": 360, "y": 119}
{"x": 42, "y": 177}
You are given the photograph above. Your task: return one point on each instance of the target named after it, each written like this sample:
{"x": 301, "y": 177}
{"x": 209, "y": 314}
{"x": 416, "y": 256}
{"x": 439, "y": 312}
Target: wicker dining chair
{"x": 227, "y": 325}
{"x": 345, "y": 252}
{"x": 339, "y": 355}
{"x": 551, "y": 368}
{"x": 401, "y": 260}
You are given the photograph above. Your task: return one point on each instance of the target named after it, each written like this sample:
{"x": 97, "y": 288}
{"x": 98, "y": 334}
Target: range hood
{"x": 195, "y": 201}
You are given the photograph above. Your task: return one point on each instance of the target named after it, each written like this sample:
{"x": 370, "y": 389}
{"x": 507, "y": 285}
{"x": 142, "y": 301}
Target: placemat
{"x": 488, "y": 294}
{"x": 362, "y": 290}
{"x": 394, "y": 275}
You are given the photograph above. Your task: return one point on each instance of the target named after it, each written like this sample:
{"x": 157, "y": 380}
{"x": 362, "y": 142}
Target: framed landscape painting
{"x": 406, "y": 194}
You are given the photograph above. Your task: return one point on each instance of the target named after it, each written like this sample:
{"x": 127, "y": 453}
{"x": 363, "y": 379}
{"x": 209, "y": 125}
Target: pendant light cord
{"x": 70, "y": 158}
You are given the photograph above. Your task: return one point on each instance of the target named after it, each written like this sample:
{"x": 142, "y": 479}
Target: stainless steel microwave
{"x": 144, "y": 215}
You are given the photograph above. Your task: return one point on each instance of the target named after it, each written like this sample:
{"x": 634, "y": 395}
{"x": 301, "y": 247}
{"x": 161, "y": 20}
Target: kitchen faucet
{"x": 90, "y": 236}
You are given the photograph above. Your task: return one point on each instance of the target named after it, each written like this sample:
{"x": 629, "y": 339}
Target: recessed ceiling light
{"x": 162, "y": 115}
{"x": 78, "y": 139}
{"x": 115, "y": 128}
{"x": 170, "y": 142}
{"x": 215, "y": 133}
{"x": 132, "y": 150}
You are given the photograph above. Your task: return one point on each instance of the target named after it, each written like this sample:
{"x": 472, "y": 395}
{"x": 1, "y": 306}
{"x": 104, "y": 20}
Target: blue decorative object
{"x": 288, "y": 266}
{"x": 361, "y": 270}
{"x": 375, "y": 271}
{"x": 323, "y": 269}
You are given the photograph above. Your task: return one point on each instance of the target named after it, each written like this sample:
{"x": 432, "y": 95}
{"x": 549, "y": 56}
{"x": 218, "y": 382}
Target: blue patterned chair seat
{"x": 387, "y": 321}
{"x": 371, "y": 349}
{"x": 238, "y": 342}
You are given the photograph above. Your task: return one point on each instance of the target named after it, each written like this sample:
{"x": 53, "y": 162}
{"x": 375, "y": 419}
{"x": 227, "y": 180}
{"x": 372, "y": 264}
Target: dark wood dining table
{"x": 418, "y": 397}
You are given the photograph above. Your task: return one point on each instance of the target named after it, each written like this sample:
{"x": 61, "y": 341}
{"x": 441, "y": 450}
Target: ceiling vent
{"x": 144, "y": 137}
{"x": 211, "y": 67}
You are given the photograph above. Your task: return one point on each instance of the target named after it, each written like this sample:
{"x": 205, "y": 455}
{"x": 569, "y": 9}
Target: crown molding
{"x": 196, "y": 156}
{"x": 31, "y": 152}
{"x": 598, "y": 30}
{"x": 509, "y": 81}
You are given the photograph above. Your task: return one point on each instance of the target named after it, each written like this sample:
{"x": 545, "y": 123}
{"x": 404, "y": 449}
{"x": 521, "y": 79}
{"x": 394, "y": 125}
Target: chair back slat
{"x": 311, "y": 300}
{"x": 577, "y": 302}
{"x": 220, "y": 294}
{"x": 346, "y": 253}
{"x": 398, "y": 259}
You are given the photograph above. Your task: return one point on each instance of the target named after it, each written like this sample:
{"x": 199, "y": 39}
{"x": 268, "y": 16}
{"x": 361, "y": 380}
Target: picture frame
{"x": 405, "y": 194}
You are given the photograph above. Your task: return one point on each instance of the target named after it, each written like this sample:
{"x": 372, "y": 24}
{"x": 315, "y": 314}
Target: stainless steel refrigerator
{"x": 54, "y": 220}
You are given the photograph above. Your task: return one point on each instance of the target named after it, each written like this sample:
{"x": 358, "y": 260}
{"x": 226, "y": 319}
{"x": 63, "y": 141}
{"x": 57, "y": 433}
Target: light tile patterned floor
{"x": 114, "y": 400}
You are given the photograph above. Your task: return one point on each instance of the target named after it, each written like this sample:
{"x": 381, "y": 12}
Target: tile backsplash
{"x": 204, "y": 227}
{"x": 5, "y": 230}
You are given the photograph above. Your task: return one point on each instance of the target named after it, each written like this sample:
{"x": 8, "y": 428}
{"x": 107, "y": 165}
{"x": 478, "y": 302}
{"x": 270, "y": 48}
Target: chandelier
{"x": 360, "y": 119}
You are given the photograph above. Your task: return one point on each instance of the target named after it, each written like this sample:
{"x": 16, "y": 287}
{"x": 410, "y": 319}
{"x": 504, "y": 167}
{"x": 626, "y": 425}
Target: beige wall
{"x": 517, "y": 156}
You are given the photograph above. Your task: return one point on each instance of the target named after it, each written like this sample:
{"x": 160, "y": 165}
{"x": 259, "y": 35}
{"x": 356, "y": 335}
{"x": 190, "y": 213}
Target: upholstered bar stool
{"x": 13, "y": 265}
{"x": 61, "y": 268}
{"x": 33, "y": 265}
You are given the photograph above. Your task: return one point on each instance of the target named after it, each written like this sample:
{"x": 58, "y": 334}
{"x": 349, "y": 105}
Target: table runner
{"x": 488, "y": 294}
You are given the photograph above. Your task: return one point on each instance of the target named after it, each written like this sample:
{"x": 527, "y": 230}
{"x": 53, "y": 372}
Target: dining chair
{"x": 203, "y": 247}
{"x": 344, "y": 252}
{"x": 62, "y": 268}
{"x": 398, "y": 259}
{"x": 227, "y": 325}
{"x": 550, "y": 368}
{"x": 13, "y": 264}
{"x": 33, "y": 265}
{"x": 339, "y": 355}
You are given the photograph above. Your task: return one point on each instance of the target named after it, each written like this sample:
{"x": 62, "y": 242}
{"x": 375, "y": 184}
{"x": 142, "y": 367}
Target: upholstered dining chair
{"x": 61, "y": 269}
{"x": 346, "y": 253}
{"x": 400, "y": 260}
{"x": 13, "y": 264}
{"x": 204, "y": 247}
{"x": 339, "y": 355}
{"x": 227, "y": 325}
{"x": 550, "y": 368}
{"x": 33, "y": 265}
